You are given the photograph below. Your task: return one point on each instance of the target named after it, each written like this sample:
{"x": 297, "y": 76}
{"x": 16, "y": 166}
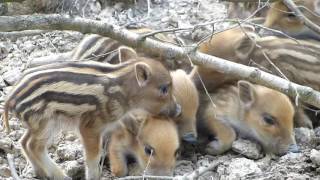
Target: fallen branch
{"x": 293, "y": 7}
{"x": 58, "y": 22}
{"x": 14, "y": 174}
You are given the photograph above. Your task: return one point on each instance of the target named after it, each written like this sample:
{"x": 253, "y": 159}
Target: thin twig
{"x": 14, "y": 174}
{"x": 200, "y": 171}
{"x": 186, "y": 28}
{"x": 199, "y": 77}
{"x": 147, "y": 166}
{"x": 194, "y": 175}
{"x": 148, "y": 177}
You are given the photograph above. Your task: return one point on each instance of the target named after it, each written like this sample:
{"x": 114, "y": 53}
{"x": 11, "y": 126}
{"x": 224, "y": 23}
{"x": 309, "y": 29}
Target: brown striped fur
{"x": 298, "y": 60}
{"x": 156, "y": 141}
{"x": 94, "y": 47}
{"x": 87, "y": 98}
{"x": 281, "y": 18}
{"x": 251, "y": 111}
{"x": 104, "y": 49}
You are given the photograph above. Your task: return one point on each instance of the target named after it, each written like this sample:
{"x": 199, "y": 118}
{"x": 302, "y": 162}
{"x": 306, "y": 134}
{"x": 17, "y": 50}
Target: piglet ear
{"x": 133, "y": 120}
{"x": 247, "y": 93}
{"x": 143, "y": 73}
{"x": 126, "y": 53}
{"x": 244, "y": 46}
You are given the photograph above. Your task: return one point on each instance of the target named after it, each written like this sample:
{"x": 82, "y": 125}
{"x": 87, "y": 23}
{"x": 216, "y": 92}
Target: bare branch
{"x": 292, "y": 6}
{"x": 12, "y": 167}
{"x": 58, "y": 22}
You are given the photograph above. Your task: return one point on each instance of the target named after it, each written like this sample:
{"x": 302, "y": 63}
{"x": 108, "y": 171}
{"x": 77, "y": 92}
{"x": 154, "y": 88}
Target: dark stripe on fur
{"x": 86, "y": 43}
{"x": 54, "y": 77}
{"x": 52, "y": 96}
{"x": 104, "y": 50}
{"x": 100, "y": 67}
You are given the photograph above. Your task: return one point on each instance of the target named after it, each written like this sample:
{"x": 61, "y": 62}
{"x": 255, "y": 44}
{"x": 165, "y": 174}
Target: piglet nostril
{"x": 189, "y": 138}
{"x": 294, "y": 148}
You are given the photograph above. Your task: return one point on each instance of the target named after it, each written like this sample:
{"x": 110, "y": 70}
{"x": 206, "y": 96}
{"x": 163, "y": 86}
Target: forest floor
{"x": 244, "y": 161}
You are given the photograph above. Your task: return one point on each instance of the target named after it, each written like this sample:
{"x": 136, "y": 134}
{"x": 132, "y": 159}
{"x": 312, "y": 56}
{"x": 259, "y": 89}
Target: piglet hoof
{"x": 215, "y": 148}
{"x": 189, "y": 138}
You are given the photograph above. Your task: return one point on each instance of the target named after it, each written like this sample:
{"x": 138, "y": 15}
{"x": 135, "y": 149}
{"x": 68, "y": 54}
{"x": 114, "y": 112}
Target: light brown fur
{"x": 229, "y": 45}
{"x": 280, "y": 17}
{"x": 154, "y": 134}
{"x": 245, "y": 110}
{"x": 89, "y": 107}
{"x": 186, "y": 94}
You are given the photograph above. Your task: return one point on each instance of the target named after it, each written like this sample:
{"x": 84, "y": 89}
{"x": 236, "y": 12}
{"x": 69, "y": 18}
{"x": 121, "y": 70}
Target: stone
{"x": 296, "y": 176}
{"x": 315, "y": 157}
{"x": 5, "y": 172}
{"x": 304, "y": 135}
{"x": 12, "y": 76}
{"x": 183, "y": 167}
{"x": 6, "y": 145}
{"x": 74, "y": 169}
{"x": 247, "y": 148}
{"x": 68, "y": 151}
{"x": 239, "y": 168}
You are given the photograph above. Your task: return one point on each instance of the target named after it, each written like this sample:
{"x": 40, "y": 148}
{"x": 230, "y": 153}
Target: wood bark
{"x": 58, "y": 22}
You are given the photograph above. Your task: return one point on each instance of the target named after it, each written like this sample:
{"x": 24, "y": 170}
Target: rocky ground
{"x": 244, "y": 161}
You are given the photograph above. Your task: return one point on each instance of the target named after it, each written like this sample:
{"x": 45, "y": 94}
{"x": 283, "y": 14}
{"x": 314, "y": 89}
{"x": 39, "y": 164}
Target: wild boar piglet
{"x": 154, "y": 144}
{"x": 250, "y": 111}
{"x": 86, "y": 97}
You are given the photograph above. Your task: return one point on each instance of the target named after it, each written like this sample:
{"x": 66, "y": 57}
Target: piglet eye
{"x": 164, "y": 89}
{"x": 291, "y": 15}
{"x": 149, "y": 150}
{"x": 269, "y": 119}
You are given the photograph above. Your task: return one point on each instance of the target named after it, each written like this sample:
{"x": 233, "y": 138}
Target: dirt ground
{"x": 244, "y": 161}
